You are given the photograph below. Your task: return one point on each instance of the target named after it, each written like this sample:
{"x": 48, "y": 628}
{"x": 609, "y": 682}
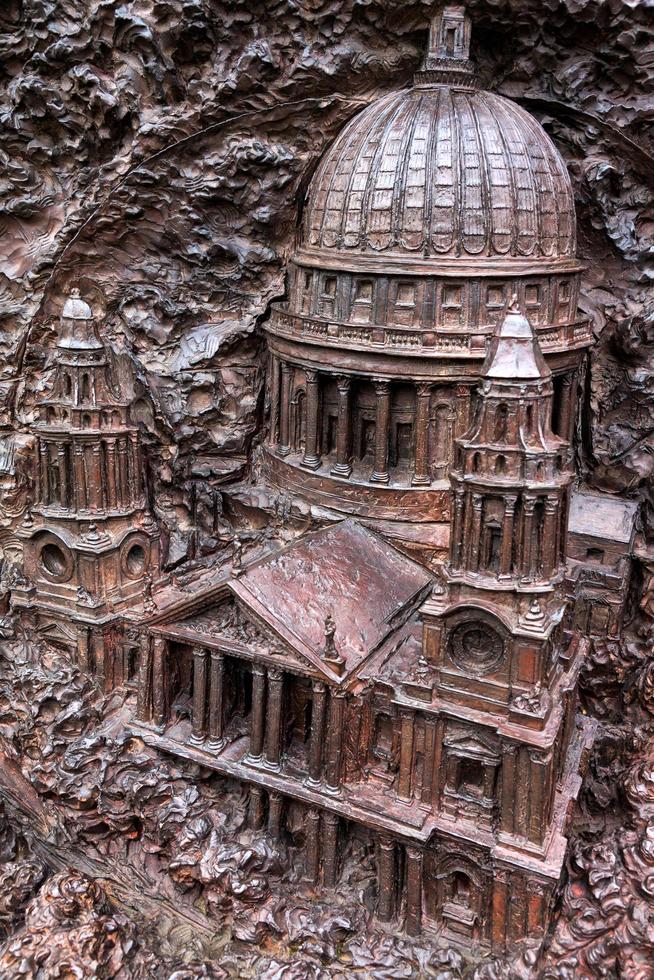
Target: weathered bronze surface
{"x": 325, "y": 615}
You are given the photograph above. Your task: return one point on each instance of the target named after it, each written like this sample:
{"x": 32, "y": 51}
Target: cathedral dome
{"x": 444, "y": 172}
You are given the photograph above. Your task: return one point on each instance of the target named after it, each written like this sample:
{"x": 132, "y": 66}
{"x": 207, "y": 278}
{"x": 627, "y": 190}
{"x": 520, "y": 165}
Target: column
{"x": 413, "y": 890}
{"x": 550, "y": 535}
{"x": 312, "y": 845}
{"x": 498, "y": 908}
{"x": 284, "y": 447}
{"x": 406, "y": 757}
{"x": 506, "y": 555}
{"x": 199, "y": 730}
{"x": 274, "y": 716}
{"x": 44, "y": 472}
{"x": 386, "y": 879}
{"x": 62, "y": 454}
{"x": 133, "y": 467}
{"x": 159, "y": 652}
{"x": 83, "y": 650}
{"x": 475, "y": 532}
{"x": 96, "y": 480}
{"x": 528, "y": 505}
{"x": 255, "y": 808}
{"x": 143, "y": 696}
{"x": 343, "y": 467}
{"x": 509, "y": 759}
{"x": 216, "y": 697}
{"x": 330, "y": 849}
{"x": 274, "y": 400}
{"x": 311, "y": 458}
{"x": 258, "y": 704}
{"x": 110, "y": 457}
{"x": 275, "y": 808}
{"x": 566, "y": 414}
{"x": 421, "y": 468}
{"x": 79, "y": 472}
{"x": 333, "y": 767}
{"x": 382, "y": 419}
{"x": 122, "y": 473}
{"x": 457, "y": 528}
{"x": 317, "y": 736}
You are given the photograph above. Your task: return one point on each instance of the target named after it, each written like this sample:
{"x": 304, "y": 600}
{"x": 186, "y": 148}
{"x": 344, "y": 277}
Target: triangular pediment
{"x": 471, "y": 744}
{"x": 59, "y": 633}
{"x": 232, "y": 624}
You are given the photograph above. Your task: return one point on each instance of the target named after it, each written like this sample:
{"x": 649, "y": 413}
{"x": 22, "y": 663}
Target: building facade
{"x": 89, "y": 543}
{"x": 423, "y": 377}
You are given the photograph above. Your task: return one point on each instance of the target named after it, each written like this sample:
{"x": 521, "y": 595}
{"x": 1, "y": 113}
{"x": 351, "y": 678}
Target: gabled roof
{"x": 602, "y": 516}
{"x": 345, "y": 571}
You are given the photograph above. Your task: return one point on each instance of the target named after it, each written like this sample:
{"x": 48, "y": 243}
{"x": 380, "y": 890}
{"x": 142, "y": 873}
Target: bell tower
{"x": 505, "y": 671}
{"x": 90, "y": 544}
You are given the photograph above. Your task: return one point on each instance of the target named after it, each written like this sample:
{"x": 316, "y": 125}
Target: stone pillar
{"x": 274, "y": 400}
{"x": 566, "y": 414}
{"x": 499, "y": 908}
{"x": 312, "y": 846}
{"x": 457, "y": 528}
{"x": 421, "y": 468}
{"x": 330, "y": 849}
{"x": 311, "y": 458}
{"x": 255, "y": 808}
{"x": 143, "y": 696}
{"x": 258, "y": 706}
{"x": 386, "y": 879}
{"x": 275, "y": 808}
{"x": 413, "y": 890}
{"x": 333, "y": 767}
{"x": 64, "y": 489}
{"x": 382, "y": 420}
{"x": 134, "y": 467}
{"x": 44, "y": 474}
{"x": 79, "y": 473}
{"x": 550, "y": 534}
{"x": 406, "y": 757}
{"x": 284, "y": 447}
{"x": 475, "y": 532}
{"x": 159, "y": 675}
{"x": 216, "y": 697}
{"x": 274, "y": 716}
{"x": 527, "y": 535}
{"x": 507, "y": 534}
{"x": 95, "y": 479}
{"x": 507, "y": 807}
{"x": 122, "y": 473}
{"x": 318, "y": 709}
{"x": 110, "y": 457}
{"x": 343, "y": 467}
{"x": 199, "y": 729}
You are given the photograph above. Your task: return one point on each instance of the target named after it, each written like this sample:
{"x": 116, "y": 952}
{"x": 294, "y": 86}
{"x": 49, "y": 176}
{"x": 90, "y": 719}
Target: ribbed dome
{"x": 440, "y": 171}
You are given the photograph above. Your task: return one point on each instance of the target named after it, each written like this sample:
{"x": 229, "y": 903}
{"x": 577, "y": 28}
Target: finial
{"x": 330, "y": 653}
{"x": 74, "y": 292}
{"x": 447, "y": 59}
{"x": 534, "y": 618}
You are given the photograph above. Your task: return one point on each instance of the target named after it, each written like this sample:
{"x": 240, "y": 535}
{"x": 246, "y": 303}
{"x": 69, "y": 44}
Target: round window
{"x": 53, "y": 560}
{"x": 476, "y": 646}
{"x": 135, "y": 560}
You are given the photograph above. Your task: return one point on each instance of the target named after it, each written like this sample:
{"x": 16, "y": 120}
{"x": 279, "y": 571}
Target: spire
{"x": 78, "y": 328}
{"x": 447, "y": 59}
{"x": 515, "y": 354}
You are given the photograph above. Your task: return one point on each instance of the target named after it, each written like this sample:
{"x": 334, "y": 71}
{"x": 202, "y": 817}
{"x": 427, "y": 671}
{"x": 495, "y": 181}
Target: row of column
{"x": 90, "y": 476}
{"x": 466, "y": 542}
{"x": 281, "y": 396}
{"x": 388, "y": 896}
{"x": 266, "y": 720}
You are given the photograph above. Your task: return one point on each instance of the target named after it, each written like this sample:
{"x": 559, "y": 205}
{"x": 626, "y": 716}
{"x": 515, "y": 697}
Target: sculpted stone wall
{"x": 157, "y": 155}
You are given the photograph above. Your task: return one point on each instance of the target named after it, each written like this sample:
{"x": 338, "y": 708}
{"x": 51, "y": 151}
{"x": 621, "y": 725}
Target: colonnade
{"x": 342, "y": 466}
{"x": 519, "y": 534}
{"x": 89, "y": 475}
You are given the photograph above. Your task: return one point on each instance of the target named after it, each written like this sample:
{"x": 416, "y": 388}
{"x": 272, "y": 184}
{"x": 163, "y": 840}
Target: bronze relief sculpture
{"x": 335, "y": 705}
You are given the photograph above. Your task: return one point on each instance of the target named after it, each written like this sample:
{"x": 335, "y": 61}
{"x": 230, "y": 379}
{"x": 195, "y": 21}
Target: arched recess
{"x": 456, "y": 893}
{"x": 298, "y": 420}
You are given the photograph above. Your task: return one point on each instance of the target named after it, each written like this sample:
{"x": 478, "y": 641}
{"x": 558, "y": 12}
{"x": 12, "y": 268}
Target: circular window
{"x": 476, "y": 646}
{"x": 55, "y": 561}
{"x": 135, "y": 560}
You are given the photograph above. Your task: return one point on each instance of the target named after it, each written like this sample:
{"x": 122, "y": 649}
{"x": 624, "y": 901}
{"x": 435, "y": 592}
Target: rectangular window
{"x": 452, "y": 305}
{"x": 328, "y": 296}
{"x": 306, "y": 292}
{"x": 404, "y": 305}
{"x": 532, "y": 295}
{"x": 383, "y": 743}
{"x": 595, "y": 555}
{"x": 495, "y": 297}
{"x": 362, "y": 301}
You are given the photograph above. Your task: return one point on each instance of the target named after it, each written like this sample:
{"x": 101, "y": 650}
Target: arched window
{"x": 461, "y": 888}
{"x": 501, "y": 422}
{"x": 85, "y": 388}
{"x": 500, "y": 465}
{"x": 68, "y": 384}
{"x": 476, "y": 460}
{"x": 86, "y": 421}
{"x": 530, "y": 420}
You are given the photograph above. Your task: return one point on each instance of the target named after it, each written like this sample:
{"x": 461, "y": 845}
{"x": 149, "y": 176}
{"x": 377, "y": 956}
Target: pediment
{"x": 233, "y": 622}
{"x": 471, "y": 745}
{"x": 56, "y": 632}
